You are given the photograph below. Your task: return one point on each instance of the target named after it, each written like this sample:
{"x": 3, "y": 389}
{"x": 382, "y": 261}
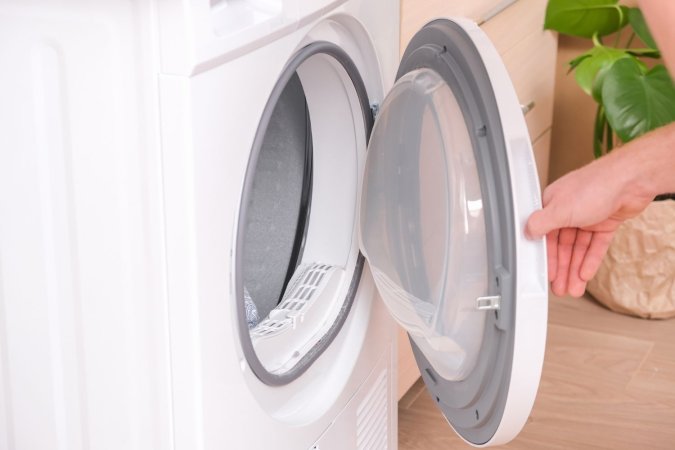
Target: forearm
{"x": 660, "y": 15}
{"x": 647, "y": 164}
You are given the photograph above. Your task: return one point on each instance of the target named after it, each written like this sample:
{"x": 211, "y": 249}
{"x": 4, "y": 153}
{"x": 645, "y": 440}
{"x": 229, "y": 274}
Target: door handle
{"x": 501, "y": 6}
{"x": 527, "y": 108}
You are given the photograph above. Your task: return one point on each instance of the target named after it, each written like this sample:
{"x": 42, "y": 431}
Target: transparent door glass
{"x": 422, "y": 225}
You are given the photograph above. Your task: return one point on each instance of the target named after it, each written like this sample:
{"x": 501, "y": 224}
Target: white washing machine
{"x": 210, "y": 211}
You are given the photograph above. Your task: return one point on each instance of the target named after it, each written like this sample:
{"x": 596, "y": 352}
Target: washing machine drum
{"x": 449, "y": 183}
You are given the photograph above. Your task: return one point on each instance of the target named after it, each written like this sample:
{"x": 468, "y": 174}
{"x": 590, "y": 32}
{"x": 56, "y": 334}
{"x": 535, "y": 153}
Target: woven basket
{"x": 637, "y": 277}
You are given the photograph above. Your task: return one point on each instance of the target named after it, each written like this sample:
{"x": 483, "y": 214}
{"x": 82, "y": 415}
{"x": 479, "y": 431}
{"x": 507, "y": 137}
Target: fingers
{"x": 575, "y": 284}
{"x": 574, "y": 254}
{"x": 552, "y": 254}
{"x": 566, "y": 239}
{"x": 574, "y": 258}
{"x": 544, "y": 221}
{"x": 594, "y": 254}
{"x": 534, "y": 229}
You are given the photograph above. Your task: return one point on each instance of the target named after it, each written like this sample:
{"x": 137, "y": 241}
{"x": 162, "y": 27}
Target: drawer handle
{"x": 496, "y": 10}
{"x": 527, "y": 108}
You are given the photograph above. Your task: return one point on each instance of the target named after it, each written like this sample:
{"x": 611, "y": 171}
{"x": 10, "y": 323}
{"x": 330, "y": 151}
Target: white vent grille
{"x": 372, "y": 417}
{"x": 302, "y": 290}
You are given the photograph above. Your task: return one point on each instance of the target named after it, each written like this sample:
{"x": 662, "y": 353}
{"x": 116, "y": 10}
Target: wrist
{"x": 646, "y": 166}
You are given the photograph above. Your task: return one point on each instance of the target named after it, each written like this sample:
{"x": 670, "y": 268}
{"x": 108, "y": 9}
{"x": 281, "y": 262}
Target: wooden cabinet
{"x": 542, "y": 153}
{"x": 416, "y": 13}
{"x": 516, "y": 29}
{"x": 529, "y": 54}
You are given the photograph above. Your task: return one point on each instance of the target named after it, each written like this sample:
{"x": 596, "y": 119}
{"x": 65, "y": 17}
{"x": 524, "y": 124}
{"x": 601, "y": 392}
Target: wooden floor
{"x": 608, "y": 382}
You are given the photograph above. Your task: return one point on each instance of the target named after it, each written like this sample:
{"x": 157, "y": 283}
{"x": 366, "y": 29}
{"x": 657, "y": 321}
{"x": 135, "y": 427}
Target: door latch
{"x": 489, "y": 302}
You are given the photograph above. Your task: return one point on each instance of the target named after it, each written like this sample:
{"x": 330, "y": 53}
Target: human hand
{"x": 581, "y": 212}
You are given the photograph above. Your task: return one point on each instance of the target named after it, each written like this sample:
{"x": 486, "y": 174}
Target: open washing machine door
{"x": 449, "y": 183}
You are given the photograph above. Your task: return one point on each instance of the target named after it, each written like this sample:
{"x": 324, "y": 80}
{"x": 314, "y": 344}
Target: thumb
{"x": 542, "y": 222}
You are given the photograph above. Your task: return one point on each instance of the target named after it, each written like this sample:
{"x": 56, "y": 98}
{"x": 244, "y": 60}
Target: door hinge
{"x": 374, "y": 110}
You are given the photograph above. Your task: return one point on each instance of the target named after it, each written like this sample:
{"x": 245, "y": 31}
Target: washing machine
{"x": 214, "y": 213}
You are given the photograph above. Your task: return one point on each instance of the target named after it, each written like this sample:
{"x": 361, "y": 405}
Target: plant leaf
{"x": 576, "y": 61}
{"x": 637, "y": 22}
{"x": 644, "y": 52}
{"x": 584, "y": 18}
{"x": 636, "y": 101}
{"x": 600, "y": 78}
{"x": 610, "y": 137}
{"x": 600, "y": 121}
{"x": 599, "y": 58}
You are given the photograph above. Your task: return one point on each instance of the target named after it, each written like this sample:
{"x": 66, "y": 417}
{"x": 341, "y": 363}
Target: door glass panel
{"x": 422, "y": 225}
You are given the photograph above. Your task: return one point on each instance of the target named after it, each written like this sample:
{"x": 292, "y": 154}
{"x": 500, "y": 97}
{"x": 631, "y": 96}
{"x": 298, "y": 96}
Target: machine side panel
{"x": 83, "y": 354}
{"x": 368, "y": 420}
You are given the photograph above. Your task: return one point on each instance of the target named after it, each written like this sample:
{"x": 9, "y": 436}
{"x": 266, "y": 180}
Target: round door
{"x": 450, "y": 181}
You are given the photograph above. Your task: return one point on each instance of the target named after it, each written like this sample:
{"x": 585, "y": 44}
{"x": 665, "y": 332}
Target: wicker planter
{"x": 637, "y": 277}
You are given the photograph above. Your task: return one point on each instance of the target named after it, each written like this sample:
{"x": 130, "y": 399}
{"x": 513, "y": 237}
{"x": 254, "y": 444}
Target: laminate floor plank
{"x": 608, "y": 383}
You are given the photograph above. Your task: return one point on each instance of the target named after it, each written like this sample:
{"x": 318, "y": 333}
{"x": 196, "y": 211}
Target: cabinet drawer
{"x": 529, "y": 54}
{"x": 408, "y": 372}
{"x": 516, "y": 22}
{"x": 542, "y": 156}
{"x": 416, "y": 13}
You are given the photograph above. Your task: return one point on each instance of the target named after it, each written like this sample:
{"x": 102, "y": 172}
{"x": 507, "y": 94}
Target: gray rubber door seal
{"x": 274, "y": 379}
{"x": 475, "y": 405}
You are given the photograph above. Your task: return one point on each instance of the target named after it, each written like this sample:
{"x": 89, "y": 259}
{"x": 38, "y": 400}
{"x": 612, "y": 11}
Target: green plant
{"x": 632, "y": 98}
